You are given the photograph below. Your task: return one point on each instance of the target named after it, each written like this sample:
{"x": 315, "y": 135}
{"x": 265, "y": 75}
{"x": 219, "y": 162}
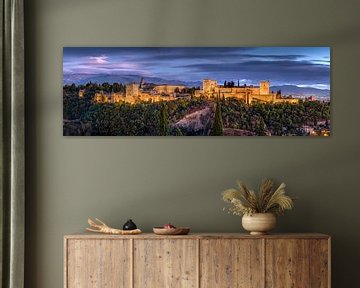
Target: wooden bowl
{"x": 171, "y": 231}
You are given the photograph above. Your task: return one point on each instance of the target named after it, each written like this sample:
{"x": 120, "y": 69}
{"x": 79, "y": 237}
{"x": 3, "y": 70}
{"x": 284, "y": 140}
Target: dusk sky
{"x": 301, "y": 66}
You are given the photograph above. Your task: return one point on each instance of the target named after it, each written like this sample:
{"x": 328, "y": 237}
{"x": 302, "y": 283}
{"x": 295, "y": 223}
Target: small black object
{"x": 129, "y": 225}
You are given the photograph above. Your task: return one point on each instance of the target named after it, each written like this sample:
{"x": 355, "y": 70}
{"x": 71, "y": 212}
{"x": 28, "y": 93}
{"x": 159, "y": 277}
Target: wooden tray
{"x": 171, "y": 231}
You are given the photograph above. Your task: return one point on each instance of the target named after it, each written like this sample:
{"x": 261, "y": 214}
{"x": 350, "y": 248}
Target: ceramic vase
{"x": 259, "y": 223}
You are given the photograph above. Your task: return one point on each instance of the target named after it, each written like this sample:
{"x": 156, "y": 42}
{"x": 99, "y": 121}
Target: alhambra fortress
{"x": 137, "y": 92}
{"x": 249, "y": 94}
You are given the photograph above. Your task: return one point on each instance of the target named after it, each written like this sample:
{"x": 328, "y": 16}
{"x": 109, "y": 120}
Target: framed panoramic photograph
{"x": 196, "y": 91}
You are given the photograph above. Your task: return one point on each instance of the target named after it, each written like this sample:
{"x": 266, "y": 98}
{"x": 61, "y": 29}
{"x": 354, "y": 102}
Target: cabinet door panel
{"x": 98, "y": 263}
{"x": 287, "y": 263}
{"x": 166, "y": 263}
{"x": 231, "y": 263}
{"x": 319, "y": 263}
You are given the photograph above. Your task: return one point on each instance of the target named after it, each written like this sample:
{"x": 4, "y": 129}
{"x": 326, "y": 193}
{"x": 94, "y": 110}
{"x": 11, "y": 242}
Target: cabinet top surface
{"x": 86, "y": 235}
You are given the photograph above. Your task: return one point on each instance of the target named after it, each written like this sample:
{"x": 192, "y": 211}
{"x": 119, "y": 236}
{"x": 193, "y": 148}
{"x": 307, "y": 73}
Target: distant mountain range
{"x": 86, "y": 78}
{"x": 286, "y": 90}
{"x": 301, "y": 92}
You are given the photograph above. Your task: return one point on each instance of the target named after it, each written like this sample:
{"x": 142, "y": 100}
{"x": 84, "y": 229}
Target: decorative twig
{"x": 101, "y": 227}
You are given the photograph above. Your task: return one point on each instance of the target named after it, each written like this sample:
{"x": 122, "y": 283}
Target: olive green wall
{"x": 179, "y": 180}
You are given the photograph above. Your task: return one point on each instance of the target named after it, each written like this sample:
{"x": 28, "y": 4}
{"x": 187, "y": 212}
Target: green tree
{"x": 164, "y": 120}
{"x": 259, "y": 126}
{"x": 217, "y": 129}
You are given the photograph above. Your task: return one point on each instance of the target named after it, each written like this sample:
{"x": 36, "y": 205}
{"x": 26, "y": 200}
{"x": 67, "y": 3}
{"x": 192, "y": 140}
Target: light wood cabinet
{"x": 197, "y": 260}
{"x": 98, "y": 263}
{"x": 165, "y": 263}
{"x": 231, "y": 263}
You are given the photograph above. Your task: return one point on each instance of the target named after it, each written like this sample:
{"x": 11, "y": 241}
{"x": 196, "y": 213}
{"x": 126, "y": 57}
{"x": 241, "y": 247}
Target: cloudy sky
{"x": 302, "y": 66}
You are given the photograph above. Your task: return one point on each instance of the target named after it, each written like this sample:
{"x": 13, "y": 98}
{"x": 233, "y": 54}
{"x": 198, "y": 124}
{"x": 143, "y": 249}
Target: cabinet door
{"x": 165, "y": 263}
{"x": 320, "y": 263}
{"x": 287, "y": 263}
{"x": 231, "y": 263}
{"x": 98, "y": 263}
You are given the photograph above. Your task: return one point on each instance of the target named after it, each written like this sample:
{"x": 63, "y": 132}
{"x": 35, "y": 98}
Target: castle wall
{"x": 130, "y": 99}
{"x": 117, "y": 97}
{"x": 168, "y": 89}
{"x": 287, "y": 100}
{"x": 263, "y": 98}
{"x": 101, "y": 98}
{"x": 159, "y": 98}
{"x": 237, "y": 90}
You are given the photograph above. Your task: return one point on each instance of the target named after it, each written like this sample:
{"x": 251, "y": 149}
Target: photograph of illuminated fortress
{"x": 196, "y": 91}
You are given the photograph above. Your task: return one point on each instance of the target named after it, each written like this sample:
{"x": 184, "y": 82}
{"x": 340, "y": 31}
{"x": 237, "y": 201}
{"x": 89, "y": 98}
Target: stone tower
{"x": 209, "y": 86}
{"x": 132, "y": 89}
{"x": 265, "y": 87}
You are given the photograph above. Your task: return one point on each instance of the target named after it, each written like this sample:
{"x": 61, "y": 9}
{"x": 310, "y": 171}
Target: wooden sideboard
{"x": 197, "y": 260}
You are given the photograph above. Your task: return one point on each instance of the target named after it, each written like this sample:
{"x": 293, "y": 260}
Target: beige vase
{"x": 259, "y": 223}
